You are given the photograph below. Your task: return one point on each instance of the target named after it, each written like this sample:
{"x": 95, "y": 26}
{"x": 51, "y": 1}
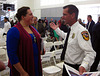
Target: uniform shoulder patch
{"x": 85, "y": 35}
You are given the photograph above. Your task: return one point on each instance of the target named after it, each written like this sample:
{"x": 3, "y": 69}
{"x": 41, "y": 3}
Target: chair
{"x": 60, "y": 65}
{"x": 63, "y": 41}
{"x": 5, "y": 72}
{"x": 57, "y": 43}
{"x": 46, "y": 58}
{"x": 3, "y": 55}
{"x": 44, "y": 38}
{"x": 2, "y": 44}
{"x": 6, "y": 63}
{"x": 1, "y": 32}
{"x": 48, "y": 46}
{"x": 2, "y": 38}
{"x": 57, "y": 56}
{"x": 50, "y": 70}
{"x": 58, "y": 51}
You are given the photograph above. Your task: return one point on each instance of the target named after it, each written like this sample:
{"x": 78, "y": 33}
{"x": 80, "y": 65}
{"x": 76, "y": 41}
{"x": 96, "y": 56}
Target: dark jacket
{"x": 64, "y": 28}
{"x": 90, "y": 27}
{"x": 41, "y": 29}
{"x": 96, "y": 45}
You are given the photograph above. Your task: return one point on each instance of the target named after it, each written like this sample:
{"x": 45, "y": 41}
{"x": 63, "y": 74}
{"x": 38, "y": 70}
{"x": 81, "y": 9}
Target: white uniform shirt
{"x": 79, "y": 51}
{"x": 89, "y": 25}
{"x": 7, "y": 26}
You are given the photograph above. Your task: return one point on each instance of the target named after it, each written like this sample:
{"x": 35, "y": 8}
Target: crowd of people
{"x": 80, "y": 51}
{"x": 43, "y": 26}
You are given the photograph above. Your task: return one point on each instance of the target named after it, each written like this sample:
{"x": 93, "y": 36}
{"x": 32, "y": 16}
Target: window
{"x": 93, "y": 10}
{"x": 77, "y": 0}
{"x": 12, "y": 13}
{"x": 50, "y": 2}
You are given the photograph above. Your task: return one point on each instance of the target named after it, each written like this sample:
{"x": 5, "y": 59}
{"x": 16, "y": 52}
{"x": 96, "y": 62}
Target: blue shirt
{"x": 12, "y": 45}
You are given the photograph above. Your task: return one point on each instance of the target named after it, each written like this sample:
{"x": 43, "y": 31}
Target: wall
{"x": 37, "y": 5}
{"x": 20, "y": 3}
{"x": 36, "y": 8}
{"x": 37, "y": 13}
{"x": 54, "y": 13}
{"x": 86, "y": 2}
{"x": 68, "y": 2}
{"x": 28, "y": 3}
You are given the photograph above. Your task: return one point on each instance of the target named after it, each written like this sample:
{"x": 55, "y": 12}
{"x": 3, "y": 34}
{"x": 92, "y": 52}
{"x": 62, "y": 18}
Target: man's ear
{"x": 73, "y": 15}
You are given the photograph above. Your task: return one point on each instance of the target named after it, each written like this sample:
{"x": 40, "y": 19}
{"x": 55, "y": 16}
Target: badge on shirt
{"x": 73, "y": 35}
{"x": 85, "y": 35}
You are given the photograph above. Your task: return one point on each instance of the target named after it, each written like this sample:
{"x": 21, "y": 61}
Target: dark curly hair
{"x": 21, "y": 12}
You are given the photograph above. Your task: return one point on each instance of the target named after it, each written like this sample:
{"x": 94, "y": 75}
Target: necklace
{"x": 34, "y": 38}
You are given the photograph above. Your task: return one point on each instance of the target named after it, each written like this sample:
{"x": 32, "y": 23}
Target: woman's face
{"x": 28, "y": 19}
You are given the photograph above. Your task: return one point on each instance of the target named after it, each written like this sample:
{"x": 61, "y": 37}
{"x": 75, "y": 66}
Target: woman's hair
{"x": 21, "y": 12}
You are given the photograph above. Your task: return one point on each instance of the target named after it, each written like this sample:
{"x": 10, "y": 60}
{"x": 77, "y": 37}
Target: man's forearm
{"x": 61, "y": 33}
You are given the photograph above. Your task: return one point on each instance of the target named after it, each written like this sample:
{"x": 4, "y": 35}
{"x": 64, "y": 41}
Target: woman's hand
{"x": 20, "y": 69}
{"x": 24, "y": 74}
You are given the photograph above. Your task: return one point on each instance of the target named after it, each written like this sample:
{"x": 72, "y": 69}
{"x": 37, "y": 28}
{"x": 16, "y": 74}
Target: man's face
{"x": 5, "y": 20}
{"x": 35, "y": 20}
{"x": 45, "y": 18}
{"x": 29, "y": 17}
{"x": 88, "y": 18}
{"x": 66, "y": 16}
{"x": 51, "y": 19}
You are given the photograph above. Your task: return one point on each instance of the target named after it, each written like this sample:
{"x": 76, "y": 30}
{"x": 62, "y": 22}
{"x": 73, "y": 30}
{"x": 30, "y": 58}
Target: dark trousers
{"x": 64, "y": 69}
{"x": 95, "y": 64}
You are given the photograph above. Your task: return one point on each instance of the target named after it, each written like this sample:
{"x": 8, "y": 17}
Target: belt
{"x": 75, "y": 66}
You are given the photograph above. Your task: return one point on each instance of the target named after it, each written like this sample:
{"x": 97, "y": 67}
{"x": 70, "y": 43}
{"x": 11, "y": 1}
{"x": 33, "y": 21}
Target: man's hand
{"x": 81, "y": 70}
{"x": 53, "y": 26}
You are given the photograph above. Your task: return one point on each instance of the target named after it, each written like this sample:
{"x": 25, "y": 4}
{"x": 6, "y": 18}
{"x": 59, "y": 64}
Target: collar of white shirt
{"x": 74, "y": 25}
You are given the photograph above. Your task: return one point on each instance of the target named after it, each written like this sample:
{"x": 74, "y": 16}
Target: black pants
{"x": 95, "y": 64}
{"x": 64, "y": 69}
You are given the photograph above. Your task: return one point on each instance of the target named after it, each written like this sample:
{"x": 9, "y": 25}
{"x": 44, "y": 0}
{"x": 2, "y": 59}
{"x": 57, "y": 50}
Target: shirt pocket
{"x": 72, "y": 40}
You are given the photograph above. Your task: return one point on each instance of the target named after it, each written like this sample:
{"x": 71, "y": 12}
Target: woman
{"x": 23, "y": 46}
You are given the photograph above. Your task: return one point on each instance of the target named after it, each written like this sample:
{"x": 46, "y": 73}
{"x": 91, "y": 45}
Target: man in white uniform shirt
{"x": 79, "y": 53}
{"x": 7, "y": 25}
